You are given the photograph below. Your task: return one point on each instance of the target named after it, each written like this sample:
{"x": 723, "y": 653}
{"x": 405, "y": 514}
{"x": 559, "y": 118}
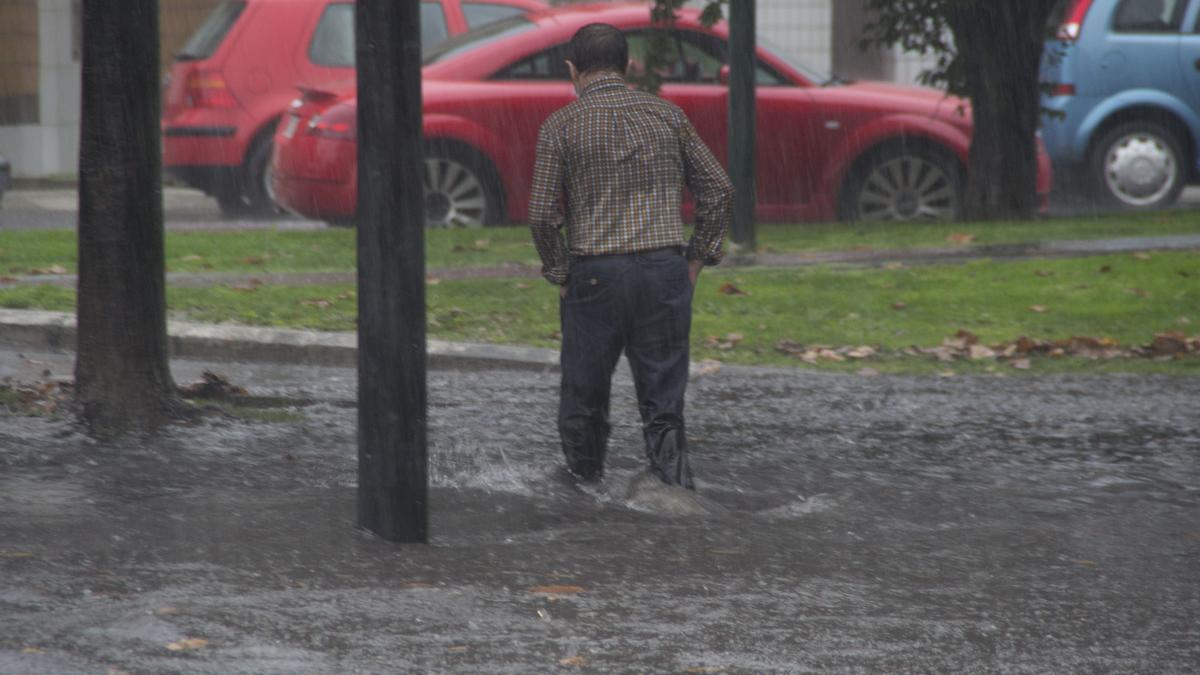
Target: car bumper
{"x": 315, "y": 177}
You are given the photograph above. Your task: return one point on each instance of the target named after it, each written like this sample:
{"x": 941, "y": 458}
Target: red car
{"x": 232, "y": 81}
{"x": 826, "y": 149}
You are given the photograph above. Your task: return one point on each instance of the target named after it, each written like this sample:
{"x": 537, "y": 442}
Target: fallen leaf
{"x": 1038, "y": 309}
{"x": 893, "y": 266}
{"x": 432, "y": 281}
{"x": 1020, "y": 364}
{"x": 5, "y": 279}
{"x": 163, "y": 611}
{"x": 899, "y": 304}
{"x": 863, "y": 352}
{"x": 1183, "y": 321}
{"x": 187, "y": 645}
{"x": 707, "y": 367}
{"x": 53, "y": 269}
{"x": 728, "y": 288}
{"x": 254, "y": 260}
{"x": 33, "y": 650}
{"x": 960, "y": 238}
{"x": 521, "y": 285}
{"x": 977, "y": 352}
{"x": 557, "y": 589}
{"x": 1140, "y": 292}
{"x": 322, "y": 304}
{"x": 1141, "y": 255}
{"x": 577, "y": 661}
{"x": 1043, "y": 273}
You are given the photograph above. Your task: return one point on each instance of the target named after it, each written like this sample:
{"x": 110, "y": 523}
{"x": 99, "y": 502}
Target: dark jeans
{"x": 640, "y": 303}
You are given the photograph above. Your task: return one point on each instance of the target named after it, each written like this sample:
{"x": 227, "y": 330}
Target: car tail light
{"x": 207, "y": 89}
{"x": 1062, "y": 89}
{"x": 339, "y": 121}
{"x": 1072, "y": 22}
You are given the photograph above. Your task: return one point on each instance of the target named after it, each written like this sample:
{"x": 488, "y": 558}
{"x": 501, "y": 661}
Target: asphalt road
{"x": 187, "y": 209}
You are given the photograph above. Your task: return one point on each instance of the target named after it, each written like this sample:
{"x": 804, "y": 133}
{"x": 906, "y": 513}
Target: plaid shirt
{"x": 611, "y": 167}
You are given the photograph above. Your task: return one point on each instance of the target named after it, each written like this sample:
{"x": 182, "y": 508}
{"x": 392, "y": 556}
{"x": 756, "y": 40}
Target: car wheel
{"x": 230, "y": 200}
{"x": 460, "y": 190}
{"x": 1138, "y": 165}
{"x": 904, "y": 184}
{"x": 257, "y": 191}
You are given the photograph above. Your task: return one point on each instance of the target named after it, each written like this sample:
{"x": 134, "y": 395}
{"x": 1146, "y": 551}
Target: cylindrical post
{"x": 392, "y": 463}
{"x": 742, "y": 122}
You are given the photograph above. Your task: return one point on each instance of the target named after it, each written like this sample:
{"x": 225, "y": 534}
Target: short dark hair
{"x": 598, "y": 46}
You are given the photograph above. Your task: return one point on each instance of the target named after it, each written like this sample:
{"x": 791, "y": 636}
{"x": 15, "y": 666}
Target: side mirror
{"x": 723, "y": 75}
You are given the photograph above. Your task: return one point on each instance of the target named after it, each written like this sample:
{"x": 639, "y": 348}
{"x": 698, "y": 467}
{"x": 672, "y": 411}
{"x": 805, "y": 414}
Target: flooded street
{"x": 841, "y": 523}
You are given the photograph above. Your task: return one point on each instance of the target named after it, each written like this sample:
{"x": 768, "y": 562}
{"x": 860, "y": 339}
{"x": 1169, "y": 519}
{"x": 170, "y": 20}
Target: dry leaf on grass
{"x": 728, "y": 288}
{"x": 53, "y": 269}
{"x": 577, "y": 661}
{"x": 1038, "y": 309}
{"x": 960, "y": 238}
{"x": 188, "y": 645}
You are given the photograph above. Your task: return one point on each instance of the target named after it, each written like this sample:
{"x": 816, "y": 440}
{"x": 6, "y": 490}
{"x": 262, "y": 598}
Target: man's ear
{"x": 572, "y": 70}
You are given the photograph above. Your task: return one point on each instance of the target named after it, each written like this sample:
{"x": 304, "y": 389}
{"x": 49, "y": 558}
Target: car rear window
{"x": 480, "y": 13}
{"x": 212, "y": 32}
{"x": 460, "y": 44}
{"x": 1148, "y": 16}
{"x": 333, "y": 41}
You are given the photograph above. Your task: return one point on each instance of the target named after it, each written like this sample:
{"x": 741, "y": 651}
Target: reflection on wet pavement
{"x": 841, "y": 523}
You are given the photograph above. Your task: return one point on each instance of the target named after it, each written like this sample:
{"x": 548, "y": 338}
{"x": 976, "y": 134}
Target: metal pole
{"x": 392, "y": 462}
{"x": 742, "y": 122}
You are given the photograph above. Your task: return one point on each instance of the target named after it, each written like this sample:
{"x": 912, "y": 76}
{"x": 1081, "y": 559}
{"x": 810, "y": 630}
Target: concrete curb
{"x": 56, "y": 331}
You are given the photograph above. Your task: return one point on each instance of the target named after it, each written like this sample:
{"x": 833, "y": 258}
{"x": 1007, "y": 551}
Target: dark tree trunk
{"x": 392, "y": 466}
{"x": 1000, "y": 46}
{"x": 123, "y": 380}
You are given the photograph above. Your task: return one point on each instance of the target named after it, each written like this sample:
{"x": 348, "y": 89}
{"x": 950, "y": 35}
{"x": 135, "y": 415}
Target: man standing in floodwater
{"x": 611, "y": 168}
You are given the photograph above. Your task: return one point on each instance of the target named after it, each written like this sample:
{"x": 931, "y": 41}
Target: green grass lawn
{"x": 1128, "y": 298}
{"x": 262, "y": 251}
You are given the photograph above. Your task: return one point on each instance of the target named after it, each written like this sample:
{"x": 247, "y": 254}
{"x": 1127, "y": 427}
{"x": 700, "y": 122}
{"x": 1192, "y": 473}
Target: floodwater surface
{"x": 841, "y": 523}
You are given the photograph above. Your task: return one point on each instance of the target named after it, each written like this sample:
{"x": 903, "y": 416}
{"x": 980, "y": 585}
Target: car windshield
{"x": 807, "y": 71}
{"x": 472, "y": 40}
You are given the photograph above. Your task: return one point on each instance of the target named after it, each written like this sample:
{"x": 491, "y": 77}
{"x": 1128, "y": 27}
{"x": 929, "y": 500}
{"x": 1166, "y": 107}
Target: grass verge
{"x": 1128, "y": 298}
{"x": 24, "y": 252}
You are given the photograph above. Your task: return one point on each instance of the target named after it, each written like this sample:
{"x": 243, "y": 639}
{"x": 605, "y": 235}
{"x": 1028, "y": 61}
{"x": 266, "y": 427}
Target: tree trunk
{"x": 123, "y": 380}
{"x": 1000, "y": 46}
{"x": 393, "y": 483}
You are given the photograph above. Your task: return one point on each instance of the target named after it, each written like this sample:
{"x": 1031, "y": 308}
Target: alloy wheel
{"x": 909, "y": 187}
{"x": 454, "y": 194}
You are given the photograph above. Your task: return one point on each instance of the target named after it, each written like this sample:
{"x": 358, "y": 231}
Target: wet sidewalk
{"x": 842, "y": 524}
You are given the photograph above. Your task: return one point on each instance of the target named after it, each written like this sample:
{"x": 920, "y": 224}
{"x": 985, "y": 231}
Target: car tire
{"x": 461, "y": 188}
{"x": 251, "y": 194}
{"x": 1138, "y": 166}
{"x": 904, "y": 183}
{"x": 256, "y": 179}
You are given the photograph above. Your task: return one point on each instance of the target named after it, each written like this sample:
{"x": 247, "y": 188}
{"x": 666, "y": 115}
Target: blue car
{"x": 1123, "y": 77}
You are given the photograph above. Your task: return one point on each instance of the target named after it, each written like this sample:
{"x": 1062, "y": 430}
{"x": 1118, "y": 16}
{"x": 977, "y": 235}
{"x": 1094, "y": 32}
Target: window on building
{"x": 19, "y": 94}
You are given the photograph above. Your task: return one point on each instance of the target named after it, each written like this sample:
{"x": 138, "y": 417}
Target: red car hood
{"x": 910, "y": 99}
